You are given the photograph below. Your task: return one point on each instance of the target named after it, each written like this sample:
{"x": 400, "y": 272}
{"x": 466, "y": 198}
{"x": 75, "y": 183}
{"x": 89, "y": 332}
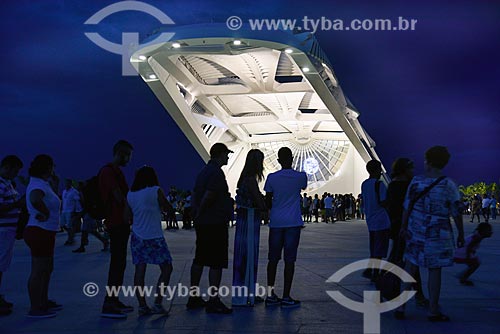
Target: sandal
{"x": 438, "y": 318}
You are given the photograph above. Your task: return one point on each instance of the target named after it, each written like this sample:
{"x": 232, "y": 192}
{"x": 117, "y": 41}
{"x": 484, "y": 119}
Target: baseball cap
{"x": 218, "y": 149}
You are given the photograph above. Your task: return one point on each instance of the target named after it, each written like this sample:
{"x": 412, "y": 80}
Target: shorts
{"x": 41, "y": 242}
{"x": 7, "y": 239}
{"x": 66, "y": 219}
{"x": 379, "y": 243}
{"x": 149, "y": 251}
{"x": 211, "y": 246}
{"x": 329, "y": 212}
{"x": 284, "y": 238}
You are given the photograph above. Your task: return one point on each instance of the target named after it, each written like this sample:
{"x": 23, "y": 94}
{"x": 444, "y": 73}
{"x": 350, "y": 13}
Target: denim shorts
{"x": 284, "y": 238}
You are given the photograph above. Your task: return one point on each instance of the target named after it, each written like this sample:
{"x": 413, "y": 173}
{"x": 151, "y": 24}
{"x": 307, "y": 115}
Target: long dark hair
{"x": 145, "y": 177}
{"x": 400, "y": 166}
{"x": 254, "y": 166}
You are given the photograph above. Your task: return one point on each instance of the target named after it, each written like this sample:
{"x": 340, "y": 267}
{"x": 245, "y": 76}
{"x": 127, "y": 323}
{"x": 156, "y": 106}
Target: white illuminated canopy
{"x": 251, "y": 93}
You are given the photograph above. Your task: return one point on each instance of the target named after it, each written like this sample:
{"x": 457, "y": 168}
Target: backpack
{"x": 93, "y": 204}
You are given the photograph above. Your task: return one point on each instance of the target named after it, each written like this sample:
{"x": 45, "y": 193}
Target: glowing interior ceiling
{"x": 265, "y": 101}
{"x": 251, "y": 96}
{"x": 260, "y": 94}
{"x": 320, "y": 159}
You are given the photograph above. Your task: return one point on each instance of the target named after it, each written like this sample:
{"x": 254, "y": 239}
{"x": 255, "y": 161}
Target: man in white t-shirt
{"x": 283, "y": 196}
{"x": 70, "y": 207}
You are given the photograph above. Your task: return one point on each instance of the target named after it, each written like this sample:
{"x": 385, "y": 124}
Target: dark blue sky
{"x": 63, "y": 95}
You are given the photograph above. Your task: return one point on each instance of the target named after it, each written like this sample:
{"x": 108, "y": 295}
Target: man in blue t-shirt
{"x": 283, "y": 196}
{"x": 373, "y": 192}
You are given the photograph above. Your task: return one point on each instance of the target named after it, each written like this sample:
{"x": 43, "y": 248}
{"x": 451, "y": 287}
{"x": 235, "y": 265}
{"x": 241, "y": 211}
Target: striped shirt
{"x": 8, "y": 195}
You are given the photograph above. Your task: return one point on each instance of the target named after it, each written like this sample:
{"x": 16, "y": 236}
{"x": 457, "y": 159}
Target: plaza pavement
{"x": 324, "y": 249}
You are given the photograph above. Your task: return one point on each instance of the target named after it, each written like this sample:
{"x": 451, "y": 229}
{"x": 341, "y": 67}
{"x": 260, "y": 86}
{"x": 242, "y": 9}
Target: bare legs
{"x": 163, "y": 280}
{"x": 434, "y": 290}
{"x": 434, "y": 286}
{"x": 166, "y": 271}
{"x": 140, "y": 274}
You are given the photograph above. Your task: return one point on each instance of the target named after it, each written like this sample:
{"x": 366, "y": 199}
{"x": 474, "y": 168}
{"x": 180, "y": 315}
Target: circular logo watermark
{"x": 90, "y": 289}
{"x": 130, "y": 40}
{"x": 371, "y": 307}
{"x": 234, "y": 22}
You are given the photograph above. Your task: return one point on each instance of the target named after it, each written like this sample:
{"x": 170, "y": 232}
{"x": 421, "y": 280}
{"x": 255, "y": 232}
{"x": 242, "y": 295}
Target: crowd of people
{"x": 485, "y": 205}
{"x": 331, "y": 208}
{"x": 413, "y": 211}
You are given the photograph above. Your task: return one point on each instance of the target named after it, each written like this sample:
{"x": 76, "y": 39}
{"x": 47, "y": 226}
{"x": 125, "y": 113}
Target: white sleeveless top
{"x": 52, "y": 202}
{"x": 147, "y": 213}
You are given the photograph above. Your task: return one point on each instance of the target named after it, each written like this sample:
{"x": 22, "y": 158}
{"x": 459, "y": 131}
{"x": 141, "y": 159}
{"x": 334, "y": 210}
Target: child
{"x": 467, "y": 253}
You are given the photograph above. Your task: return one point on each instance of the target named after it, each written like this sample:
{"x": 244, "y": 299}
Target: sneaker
{"x": 53, "y": 306}
{"x": 289, "y": 303}
{"x": 4, "y": 303}
{"x": 109, "y": 310}
{"x": 158, "y": 309}
{"x": 124, "y": 308}
{"x": 79, "y": 250}
{"x": 217, "y": 306}
{"x": 272, "y": 300}
{"x": 195, "y": 303}
{"x": 41, "y": 314}
{"x": 144, "y": 310}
